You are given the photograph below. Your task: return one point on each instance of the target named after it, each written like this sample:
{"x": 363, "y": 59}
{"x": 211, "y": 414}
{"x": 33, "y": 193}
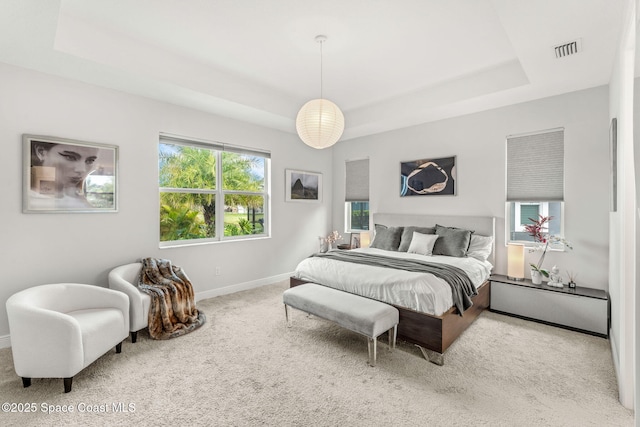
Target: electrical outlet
{"x": 217, "y": 271}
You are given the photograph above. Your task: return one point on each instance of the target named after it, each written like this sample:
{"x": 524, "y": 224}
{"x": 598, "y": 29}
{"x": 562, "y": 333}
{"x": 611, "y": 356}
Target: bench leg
{"x": 287, "y": 313}
{"x": 393, "y": 333}
{"x": 372, "y": 350}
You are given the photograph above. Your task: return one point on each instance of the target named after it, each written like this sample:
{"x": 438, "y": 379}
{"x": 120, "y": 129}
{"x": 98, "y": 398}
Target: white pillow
{"x": 480, "y": 247}
{"x": 422, "y": 243}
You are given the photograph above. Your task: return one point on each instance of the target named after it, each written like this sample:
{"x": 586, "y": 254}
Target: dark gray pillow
{"x": 452, "y": 241}
{"x": 387, "y": 238}
{"x": 407, "y": 235}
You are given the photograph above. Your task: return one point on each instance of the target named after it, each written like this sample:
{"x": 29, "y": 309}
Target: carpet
{"x": 244, "y": 367}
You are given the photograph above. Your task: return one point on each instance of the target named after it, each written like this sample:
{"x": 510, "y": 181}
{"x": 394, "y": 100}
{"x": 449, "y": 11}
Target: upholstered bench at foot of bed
{"x": 358, "y": 314}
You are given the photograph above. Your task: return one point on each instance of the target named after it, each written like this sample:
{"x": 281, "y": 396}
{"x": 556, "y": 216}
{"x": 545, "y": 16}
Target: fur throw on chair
{"x": 173, "y": 309}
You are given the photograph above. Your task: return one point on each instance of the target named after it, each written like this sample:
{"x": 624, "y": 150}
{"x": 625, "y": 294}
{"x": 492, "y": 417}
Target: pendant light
{"x": 320, "y": 122}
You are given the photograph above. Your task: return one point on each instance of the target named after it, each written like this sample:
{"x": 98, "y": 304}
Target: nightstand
{"x": 580, "y": 309}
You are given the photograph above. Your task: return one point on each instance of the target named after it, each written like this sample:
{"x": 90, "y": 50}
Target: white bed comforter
{"x": 421, "y": 292}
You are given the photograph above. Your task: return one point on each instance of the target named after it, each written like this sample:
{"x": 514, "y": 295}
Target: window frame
{"x": 534, "y": 180}
{"x": 356, "y": 182}
{"x": 218, "y": 192}
{"x": 347, "y": 219}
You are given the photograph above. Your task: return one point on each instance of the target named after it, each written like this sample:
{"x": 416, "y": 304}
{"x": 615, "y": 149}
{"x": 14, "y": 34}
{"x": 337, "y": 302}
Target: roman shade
{"x": 535, "y": 166}
{"x": 212, "y": 145}
{"x": 357, "y": 181}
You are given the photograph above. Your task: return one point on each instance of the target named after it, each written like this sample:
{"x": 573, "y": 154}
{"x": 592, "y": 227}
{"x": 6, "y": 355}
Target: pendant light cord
{"x": 321, "y": 42}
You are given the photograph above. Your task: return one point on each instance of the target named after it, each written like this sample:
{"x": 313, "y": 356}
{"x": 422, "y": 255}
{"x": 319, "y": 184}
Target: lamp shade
{"x": 515, "y": 261}
{"x": 320, "y": 123}
{"x": 365, "y": 239}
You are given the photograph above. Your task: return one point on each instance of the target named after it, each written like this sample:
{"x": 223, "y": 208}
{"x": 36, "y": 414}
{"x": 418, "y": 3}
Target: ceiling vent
{"x": 569, "y": 48}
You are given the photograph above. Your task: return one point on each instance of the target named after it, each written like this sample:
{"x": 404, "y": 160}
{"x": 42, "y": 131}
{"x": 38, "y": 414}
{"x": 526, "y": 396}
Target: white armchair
{"x": 123, "y": 279}
{"x": 57, "y": 330}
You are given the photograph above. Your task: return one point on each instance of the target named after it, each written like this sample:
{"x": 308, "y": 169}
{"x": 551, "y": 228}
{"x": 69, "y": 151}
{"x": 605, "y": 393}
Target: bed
{"x": 432, "y": 315}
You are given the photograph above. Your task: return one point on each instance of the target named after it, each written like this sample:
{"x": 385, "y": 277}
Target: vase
{"x": 323, "y": 245}
{"x": 536, "y": 277}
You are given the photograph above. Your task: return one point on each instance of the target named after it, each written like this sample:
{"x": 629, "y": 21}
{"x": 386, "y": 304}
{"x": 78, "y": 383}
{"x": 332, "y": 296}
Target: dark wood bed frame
{"x": 434, "y": 334}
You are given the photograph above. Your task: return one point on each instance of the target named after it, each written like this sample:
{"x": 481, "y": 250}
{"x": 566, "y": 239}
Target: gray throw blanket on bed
{"x": 461, "y": 286}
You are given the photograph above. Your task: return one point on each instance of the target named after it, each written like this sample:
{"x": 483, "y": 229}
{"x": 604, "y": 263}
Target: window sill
{"x": 185, "y": 243}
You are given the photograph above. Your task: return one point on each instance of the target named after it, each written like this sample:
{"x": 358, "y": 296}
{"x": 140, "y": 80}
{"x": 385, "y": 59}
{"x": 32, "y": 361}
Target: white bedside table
{"x": 580, "y": 309}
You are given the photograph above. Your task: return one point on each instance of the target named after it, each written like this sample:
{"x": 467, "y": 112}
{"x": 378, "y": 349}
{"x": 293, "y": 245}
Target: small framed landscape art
{"x": 63, "y": 175}
{"x": 428, "y": 177}
{"x": 302, "y": 186}
{"x": 355, "y": 240}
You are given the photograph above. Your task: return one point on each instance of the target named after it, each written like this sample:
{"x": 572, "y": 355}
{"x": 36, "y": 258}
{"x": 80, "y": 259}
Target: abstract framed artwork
{"x": 428, "y": 177}
{"x": 613, "y": 165}
{"x": 303, "y": 186}
{"x": 65, "y": 176}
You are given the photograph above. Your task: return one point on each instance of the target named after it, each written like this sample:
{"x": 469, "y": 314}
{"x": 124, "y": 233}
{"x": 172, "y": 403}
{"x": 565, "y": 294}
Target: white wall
{"x": 623, "y": 259}
{"x": 478, "y": 141}
{"x": 49, "y": 248}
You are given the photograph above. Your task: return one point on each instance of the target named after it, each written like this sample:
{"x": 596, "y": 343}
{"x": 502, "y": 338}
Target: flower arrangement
{"x": 333, "y": 237}
{"x": 537, "y": 230}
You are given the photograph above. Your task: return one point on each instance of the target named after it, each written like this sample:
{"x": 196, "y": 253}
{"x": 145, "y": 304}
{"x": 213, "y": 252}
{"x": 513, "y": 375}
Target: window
{"x": 357, "y": 195}
{"x": 357, "y": 216}
{"x": 535, "y": 182}
{"x": 203, "y": 181}
{"x": 520, "y": 214}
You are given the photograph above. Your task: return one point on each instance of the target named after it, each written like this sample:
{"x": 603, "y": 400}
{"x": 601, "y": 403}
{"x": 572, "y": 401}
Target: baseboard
{"x": 241, "y": 286}
{"x": 623, "y": 395}
{"x": 614, "y": 353}
{"x": 5, "y": 341}
{"x": 616, "y": 361}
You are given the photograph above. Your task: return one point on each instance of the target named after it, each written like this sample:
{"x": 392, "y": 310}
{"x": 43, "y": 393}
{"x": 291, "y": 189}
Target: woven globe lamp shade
{"x": 320, "y": 123}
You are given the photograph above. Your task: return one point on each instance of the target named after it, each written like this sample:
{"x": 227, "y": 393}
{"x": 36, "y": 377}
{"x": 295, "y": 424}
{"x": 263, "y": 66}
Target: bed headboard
{"x": 482, "y": 225}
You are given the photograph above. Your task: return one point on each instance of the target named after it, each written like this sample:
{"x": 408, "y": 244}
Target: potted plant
{"x": 537, "y": 230}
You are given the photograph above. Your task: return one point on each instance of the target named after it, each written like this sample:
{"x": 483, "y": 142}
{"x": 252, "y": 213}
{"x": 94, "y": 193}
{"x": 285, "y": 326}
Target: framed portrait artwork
{"x": 428, "y": 177}
{"x": 302, "y": 186}
{"x": 63, "y": 175}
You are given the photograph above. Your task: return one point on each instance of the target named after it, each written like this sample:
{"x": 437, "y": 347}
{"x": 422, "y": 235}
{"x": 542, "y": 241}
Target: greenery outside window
{"x": 203, "y": 182}
{"x": 357, "y": 216}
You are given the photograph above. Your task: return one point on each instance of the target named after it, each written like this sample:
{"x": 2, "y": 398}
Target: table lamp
{"x": 515, "y": 261}
{"x": 365, "y": 239}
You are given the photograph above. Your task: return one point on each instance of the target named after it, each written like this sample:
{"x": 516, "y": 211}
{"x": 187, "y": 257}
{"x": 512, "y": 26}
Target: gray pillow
{"x": 452, "y": 242}
{"x": 407, "y": 235}
{"x": 387, "y": 238}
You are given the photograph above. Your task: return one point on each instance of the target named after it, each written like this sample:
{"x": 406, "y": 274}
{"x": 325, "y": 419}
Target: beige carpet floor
{"x": 245, "y": 368}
